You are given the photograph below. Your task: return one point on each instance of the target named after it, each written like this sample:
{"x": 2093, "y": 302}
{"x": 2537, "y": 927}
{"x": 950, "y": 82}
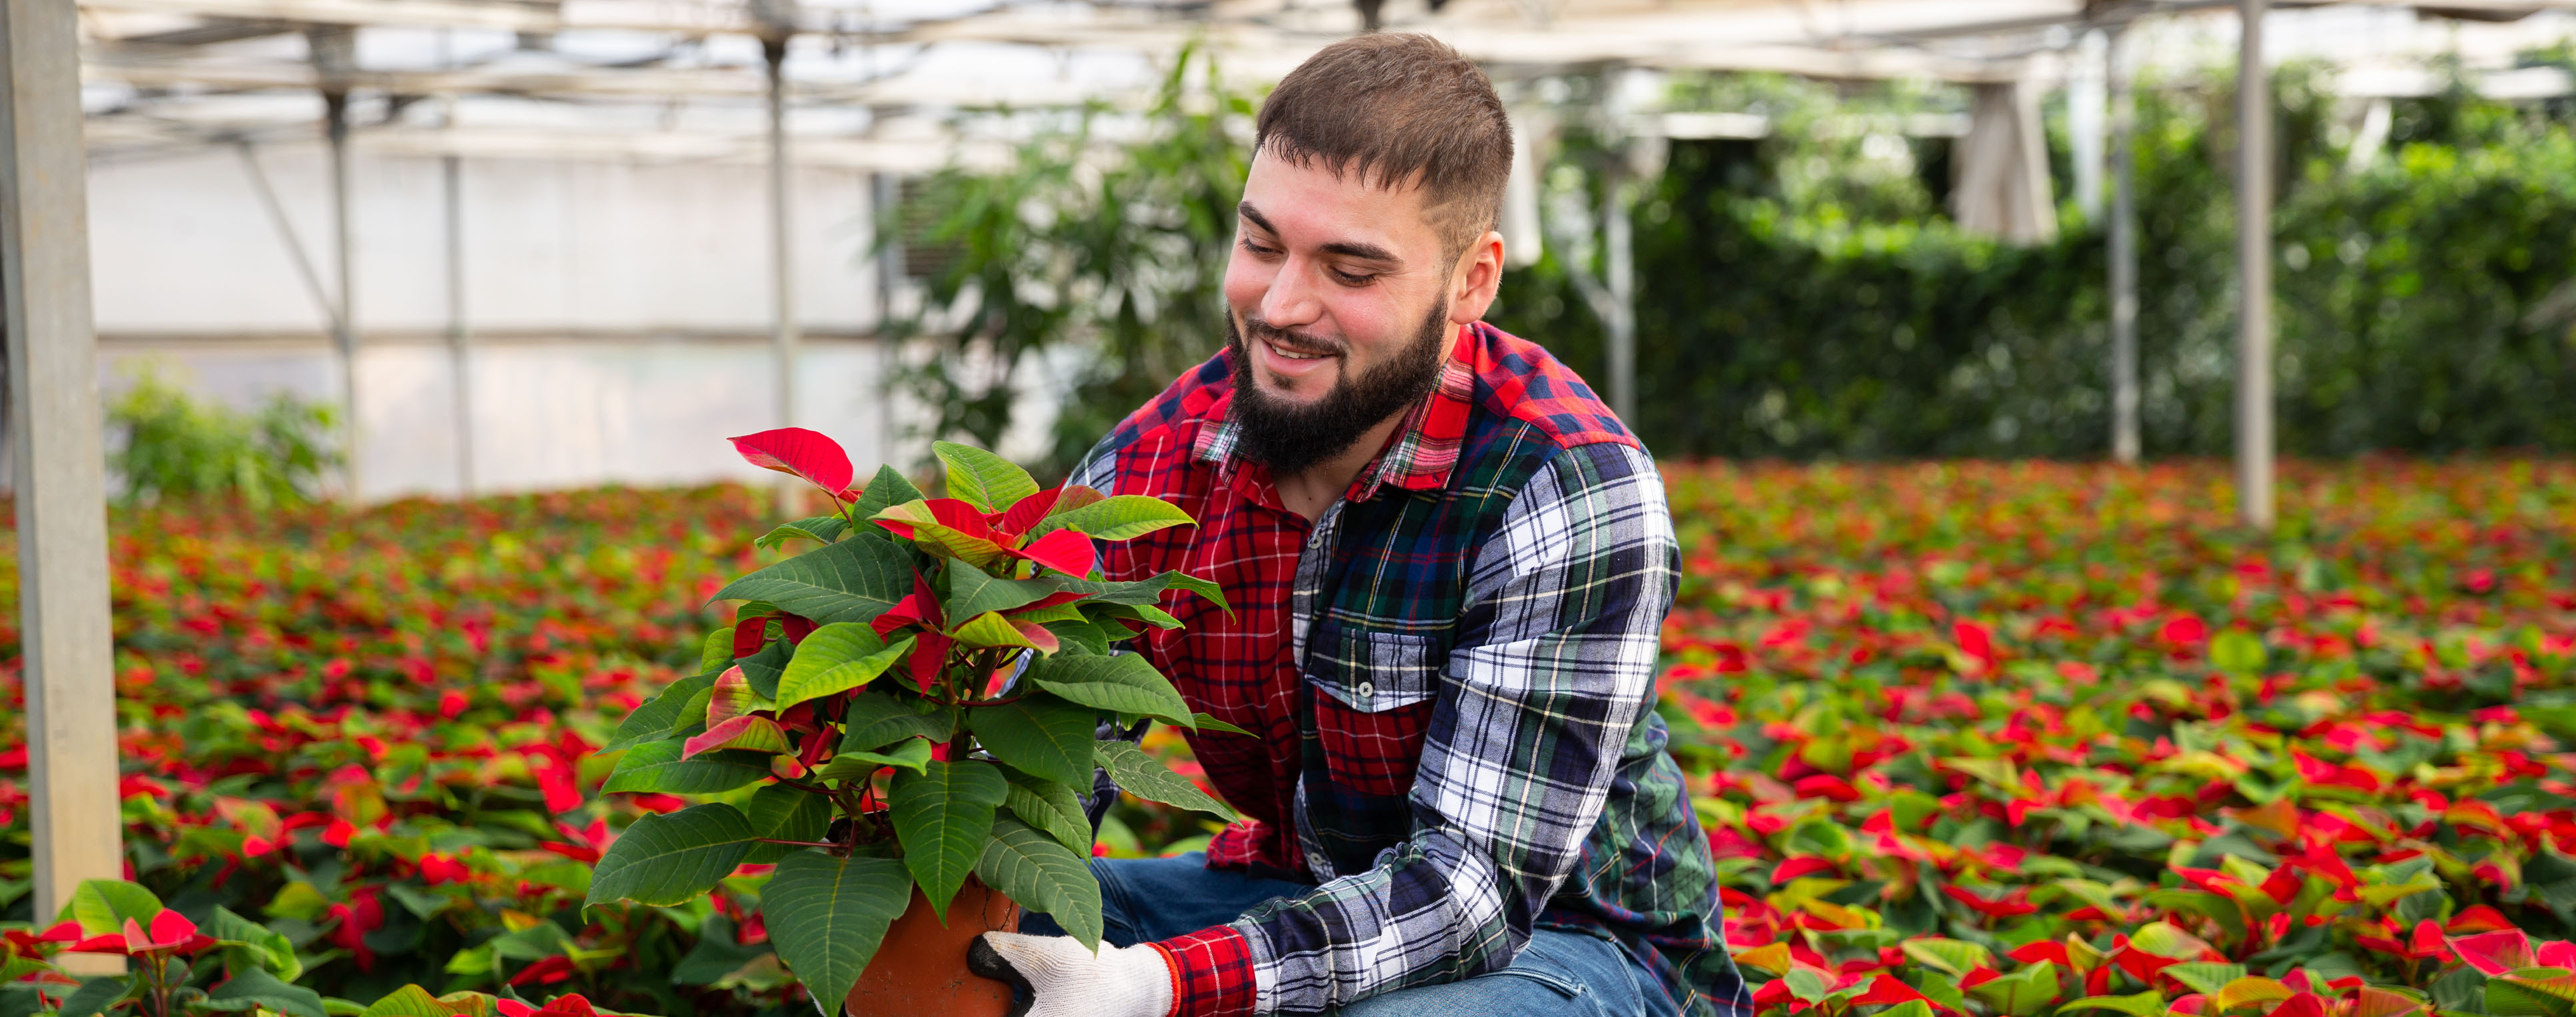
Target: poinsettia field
{"x": 1998, "y": 740}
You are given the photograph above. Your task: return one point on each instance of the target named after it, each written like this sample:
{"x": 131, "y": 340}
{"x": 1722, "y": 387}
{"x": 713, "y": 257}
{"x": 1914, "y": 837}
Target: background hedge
{"x": 1795, "y": 303}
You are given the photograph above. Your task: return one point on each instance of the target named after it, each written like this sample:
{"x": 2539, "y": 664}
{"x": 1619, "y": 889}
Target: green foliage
{"x": 1799, "y": 298}
{"x": 1127, "y": 259}
{"x": 169, "y": 445}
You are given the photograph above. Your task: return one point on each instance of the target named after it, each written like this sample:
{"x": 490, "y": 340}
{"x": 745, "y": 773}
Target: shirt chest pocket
{"x": 1373, "y": 693}
{"x": 1373, "y": 671}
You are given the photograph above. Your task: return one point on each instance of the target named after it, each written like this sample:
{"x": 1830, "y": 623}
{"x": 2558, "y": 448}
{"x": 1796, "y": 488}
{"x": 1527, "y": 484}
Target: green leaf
{"x": 991, "y": 629}
{"x": 672, "y": 858}
{"x": 1909, "y": 1008}
{"x": 819, "y": 529}
{"x": 676, "y": 713}
{"x": 886, "y": 490}
{"x": 2237, "y": 652}
{"x": 1147, "y": 778}
{"x": 942, "y": 816}
{"x": 2145, "y": 1004}
{"x": 657, "y": 767}
{"x": 2515, "y": 997}
{"x": 2205, "y": 977}
{"x": 2022, "y": 993}
{"x": 852, "y": 581}
{"x": 1079, "y": 637}
{"x": 761, "y": 672}
{"x": 1202, "y": 723}
{"x": 1118, "y": 517}
{"x": 1121, "y": 684}
{"x": 1041, "y": 735}
{"x": 258, "y": 945}
{"x": 1052, "y": 807}
{"x": 2557, "y": 982}
{"x": 1144, "y": 592}
{"x": 836, "y": 658}
{"x": 782, "y": 812}
{"x": 826, "y": 916}
{"x": 935, "y": 538}
{"x": 102, "y": 906}
{"x": 2165, "y": 940}
{"x": 749, "y": 734}
{"x": 94, "y": 995}
{"x": 878, "y": 719}
{"x": 719, "y": 952}
{"x": 2248, "y": 991}
{"x": 1955, "y": 957}
{"x": 972, "y": 591}
{"x": 982, "y": 479}
{"x": 409, "y": 1001}
{"x": 716, "y": 653}
{"x": 1043, "y": 875}
{"x": 911, "y": 754}
{"x": 256, "y": 985}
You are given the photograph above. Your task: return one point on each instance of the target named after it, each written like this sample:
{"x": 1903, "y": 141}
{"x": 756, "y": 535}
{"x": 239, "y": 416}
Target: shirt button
{"x": 1367, "y": 689}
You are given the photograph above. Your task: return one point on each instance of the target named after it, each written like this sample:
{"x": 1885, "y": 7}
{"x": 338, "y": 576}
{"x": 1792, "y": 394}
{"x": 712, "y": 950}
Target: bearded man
{"x": 1449, "y": 564}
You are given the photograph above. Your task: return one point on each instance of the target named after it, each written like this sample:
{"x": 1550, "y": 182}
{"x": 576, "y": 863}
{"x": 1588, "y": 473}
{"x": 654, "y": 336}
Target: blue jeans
{"x": 1559, "y": 974}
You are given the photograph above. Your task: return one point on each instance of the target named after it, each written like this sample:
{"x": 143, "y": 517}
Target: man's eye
{"x": 1350, "y": 279}
{"x": 1256, "y": 248}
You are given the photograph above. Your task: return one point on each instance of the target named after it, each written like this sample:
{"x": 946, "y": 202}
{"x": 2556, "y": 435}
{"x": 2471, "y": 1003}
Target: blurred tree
{"x": 168, "y": 445}
{"x": 1800, "y": 296}
{"x": 1121, "y": 250}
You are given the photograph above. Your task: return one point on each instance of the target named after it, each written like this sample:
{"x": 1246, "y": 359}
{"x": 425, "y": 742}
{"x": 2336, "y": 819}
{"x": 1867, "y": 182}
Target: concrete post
{"x": 60, "y": 458}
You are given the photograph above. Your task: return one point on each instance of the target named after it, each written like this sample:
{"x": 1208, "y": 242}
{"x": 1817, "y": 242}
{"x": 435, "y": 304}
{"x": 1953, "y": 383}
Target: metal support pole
{"x": 2254, "y": 274}
{"x": 345, "y": 327}
{"x": 2124, "y": 249}
{"x": 1618, "y": 269}
{"x": 66, "y": 638}
{"x": 334, "y": 53}
{"x": 885, "y": 193}
{"x": 459, "y": 356}
{"x": 782, "y": 292}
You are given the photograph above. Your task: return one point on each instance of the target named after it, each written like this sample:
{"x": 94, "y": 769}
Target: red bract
{"x": 957, "y": 529}
{"x": 795, "y": 451}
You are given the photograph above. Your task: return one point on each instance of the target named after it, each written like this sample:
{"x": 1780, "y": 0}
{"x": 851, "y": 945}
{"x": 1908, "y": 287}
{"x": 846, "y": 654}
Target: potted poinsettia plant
{"x": 905, "y": 715}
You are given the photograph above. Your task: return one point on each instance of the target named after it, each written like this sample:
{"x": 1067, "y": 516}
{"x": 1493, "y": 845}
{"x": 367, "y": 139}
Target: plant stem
{"x": 796, "y": 843}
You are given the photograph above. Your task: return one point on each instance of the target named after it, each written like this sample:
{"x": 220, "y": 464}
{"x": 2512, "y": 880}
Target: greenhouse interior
{"x": 606, "y": 507}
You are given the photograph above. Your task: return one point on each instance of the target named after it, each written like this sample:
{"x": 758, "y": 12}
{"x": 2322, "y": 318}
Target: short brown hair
{"x": 1394, "y": 108}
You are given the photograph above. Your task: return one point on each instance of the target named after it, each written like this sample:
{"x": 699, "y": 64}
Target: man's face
{"x": 1340, "y": 301}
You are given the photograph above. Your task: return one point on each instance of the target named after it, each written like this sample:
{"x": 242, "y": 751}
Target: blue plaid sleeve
{"x": 1553, "y": 665}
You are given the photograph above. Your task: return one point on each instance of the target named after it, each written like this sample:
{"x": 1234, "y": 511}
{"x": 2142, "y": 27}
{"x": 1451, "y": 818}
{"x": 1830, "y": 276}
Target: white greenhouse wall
{"x": 620, "y": 310}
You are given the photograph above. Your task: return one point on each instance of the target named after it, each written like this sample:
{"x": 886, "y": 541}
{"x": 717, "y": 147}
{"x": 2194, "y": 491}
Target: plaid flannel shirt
{"x": 1448, "y": 678}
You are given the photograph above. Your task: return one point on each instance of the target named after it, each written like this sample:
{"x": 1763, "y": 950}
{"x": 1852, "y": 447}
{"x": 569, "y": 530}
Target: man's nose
{"x": 1293, "y": 298}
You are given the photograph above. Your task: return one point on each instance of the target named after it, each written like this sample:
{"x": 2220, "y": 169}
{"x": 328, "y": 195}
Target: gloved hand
{"x": 1069, "y": 981}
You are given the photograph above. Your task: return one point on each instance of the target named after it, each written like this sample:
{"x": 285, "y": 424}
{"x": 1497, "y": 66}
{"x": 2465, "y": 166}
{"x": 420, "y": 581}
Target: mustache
{"x": 1294, "y": 341}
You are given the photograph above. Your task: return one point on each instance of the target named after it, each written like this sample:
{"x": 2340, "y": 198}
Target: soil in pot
{"x": 920, "y": 968}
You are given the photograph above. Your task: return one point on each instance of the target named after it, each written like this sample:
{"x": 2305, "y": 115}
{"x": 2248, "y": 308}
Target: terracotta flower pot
{"x": 920, "y": 969}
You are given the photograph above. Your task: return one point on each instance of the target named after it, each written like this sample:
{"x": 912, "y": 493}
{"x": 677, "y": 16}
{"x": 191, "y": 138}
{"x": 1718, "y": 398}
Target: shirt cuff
{"x": 1211, "y": 973}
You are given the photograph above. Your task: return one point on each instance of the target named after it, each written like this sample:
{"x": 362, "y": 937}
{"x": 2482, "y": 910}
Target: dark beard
{"x": 1289, "y": 437}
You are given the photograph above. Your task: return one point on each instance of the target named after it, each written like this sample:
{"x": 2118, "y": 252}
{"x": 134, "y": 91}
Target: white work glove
{"x": 1070, "y": 981}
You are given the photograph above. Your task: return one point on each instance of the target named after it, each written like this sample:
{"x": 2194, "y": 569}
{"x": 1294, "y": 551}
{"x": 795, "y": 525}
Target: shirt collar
{"x": 1418, "y": 456}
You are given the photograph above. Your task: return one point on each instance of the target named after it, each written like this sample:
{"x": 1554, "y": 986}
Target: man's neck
{"x": 1310, "y": 491}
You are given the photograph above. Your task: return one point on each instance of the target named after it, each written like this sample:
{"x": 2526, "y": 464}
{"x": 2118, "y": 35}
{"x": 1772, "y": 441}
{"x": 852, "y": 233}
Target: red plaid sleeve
{"x": 1211, "y": 973}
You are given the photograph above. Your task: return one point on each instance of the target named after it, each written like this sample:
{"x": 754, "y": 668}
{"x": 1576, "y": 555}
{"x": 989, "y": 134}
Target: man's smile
{"x": 1290, "y": 364}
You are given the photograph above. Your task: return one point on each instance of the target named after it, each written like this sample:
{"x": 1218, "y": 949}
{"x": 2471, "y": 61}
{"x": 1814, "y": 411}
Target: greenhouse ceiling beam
{"x": 66, "y": 635}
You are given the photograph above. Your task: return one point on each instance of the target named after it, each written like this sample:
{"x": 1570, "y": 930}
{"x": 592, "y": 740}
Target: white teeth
{"x": 1274, "y": 348}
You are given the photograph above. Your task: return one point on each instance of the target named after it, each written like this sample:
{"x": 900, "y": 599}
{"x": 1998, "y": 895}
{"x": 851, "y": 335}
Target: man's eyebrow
{"x": 1246, "y": 210}
{"x": 1345, "y": 248}
{"x": 1370, "y": 252}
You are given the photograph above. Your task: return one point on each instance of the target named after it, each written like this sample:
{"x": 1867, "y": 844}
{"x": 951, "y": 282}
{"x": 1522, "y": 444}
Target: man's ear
{"x": 1475, "y": 279}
